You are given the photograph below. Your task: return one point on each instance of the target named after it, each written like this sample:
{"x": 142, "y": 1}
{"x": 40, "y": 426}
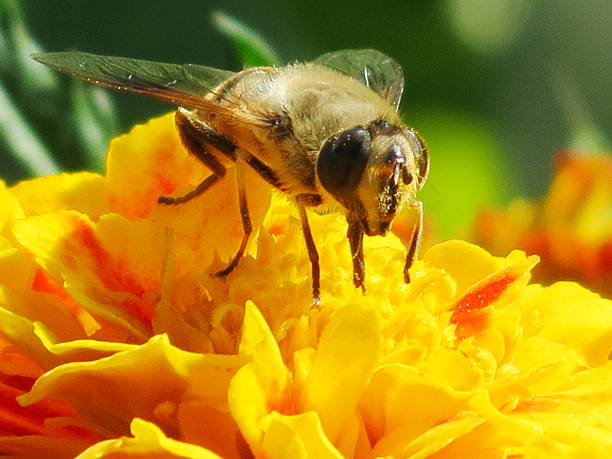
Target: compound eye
{"x": 420, "y": 151}
{"x": 342, "y": 161}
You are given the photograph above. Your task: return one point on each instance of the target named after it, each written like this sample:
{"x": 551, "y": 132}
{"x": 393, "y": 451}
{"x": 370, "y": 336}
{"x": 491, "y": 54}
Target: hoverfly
{"x": 326, "y": 133}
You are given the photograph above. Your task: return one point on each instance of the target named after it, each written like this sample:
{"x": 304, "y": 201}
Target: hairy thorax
{"x": 294, "y": 109}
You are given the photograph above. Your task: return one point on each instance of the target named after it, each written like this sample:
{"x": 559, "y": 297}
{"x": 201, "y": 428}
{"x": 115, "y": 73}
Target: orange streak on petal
{"x": 16, "y": 365}
{"x": 468, "y": 314}
{"x": 482, "y": 296}
{"x": 284, "y": 402}
{"x": 140, "y": 308}
{"x": 113, "y": 276}
{"x": 43, "y": 283}
{"x": 471, "y": 325}
{"x": 277, "y": 229}
{"x": 105, "y": 266}
{"x": 19, "y": 420}
{"x": 164, "y": 184}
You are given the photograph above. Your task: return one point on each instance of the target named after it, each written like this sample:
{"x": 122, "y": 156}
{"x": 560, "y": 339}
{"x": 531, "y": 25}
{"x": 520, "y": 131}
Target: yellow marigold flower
{"x": 116, "y": 342}
{"x": 571, "y": 228}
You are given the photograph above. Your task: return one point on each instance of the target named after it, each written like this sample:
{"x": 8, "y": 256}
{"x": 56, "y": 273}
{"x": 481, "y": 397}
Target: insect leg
{"x": 355, "y": 237}
{"x": 197, "y": 138}
{"x": 312, "y": 254}
{"x": 244, "y": 216}
{"x": 416, "y": 239}
{"x": 197, "y": 191}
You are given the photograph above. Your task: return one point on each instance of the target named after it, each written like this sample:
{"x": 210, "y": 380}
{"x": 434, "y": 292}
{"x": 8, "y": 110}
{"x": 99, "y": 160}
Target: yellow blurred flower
{"x": 116, "y": 342}
{"x": 571, "y": 228}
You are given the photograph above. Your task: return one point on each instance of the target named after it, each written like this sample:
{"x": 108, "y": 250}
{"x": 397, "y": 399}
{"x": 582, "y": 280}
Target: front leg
{"x": 415, "y": 242}
{"x": 313, "y": 255}
{"x": 355, "y": 237}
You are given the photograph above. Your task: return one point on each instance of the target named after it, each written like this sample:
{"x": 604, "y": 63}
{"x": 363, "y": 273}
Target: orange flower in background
{"x": 571, "y": 228}
{"x": 117, "y": 342}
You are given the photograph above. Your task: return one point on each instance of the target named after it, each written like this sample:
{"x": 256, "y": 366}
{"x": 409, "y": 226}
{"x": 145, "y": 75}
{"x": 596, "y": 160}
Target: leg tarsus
{"x": 193, "y": 138}
{"x": 197, "y": 191}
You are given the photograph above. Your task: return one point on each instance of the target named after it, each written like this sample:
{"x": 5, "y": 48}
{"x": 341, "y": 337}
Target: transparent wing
{"x": 185, "y": 85}
{"x": 372, "y": 68}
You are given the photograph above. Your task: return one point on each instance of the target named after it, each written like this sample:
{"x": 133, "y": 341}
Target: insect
{"x": 326, "y": 133}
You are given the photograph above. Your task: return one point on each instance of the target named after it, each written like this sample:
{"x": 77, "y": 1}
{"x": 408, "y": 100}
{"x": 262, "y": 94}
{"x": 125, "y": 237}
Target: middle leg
{"x": 245, "y": 217}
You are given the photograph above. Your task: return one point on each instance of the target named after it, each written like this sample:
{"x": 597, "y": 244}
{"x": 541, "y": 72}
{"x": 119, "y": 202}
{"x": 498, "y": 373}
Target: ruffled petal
{"x": 149, "y": 162}
{"x": 300, "y": 437}
{"x": 144, "y": 381}
{"x": 148, "y": 441}
{"x": 84, "y": 192}
{"x": 558, "y": 304}
{"x": 10, "y": 209}
{"x": 260, "y": 386}
{"x": 112, "y": 267}
{"x": 342, "y": 366}
{"x": 110, "y": 323}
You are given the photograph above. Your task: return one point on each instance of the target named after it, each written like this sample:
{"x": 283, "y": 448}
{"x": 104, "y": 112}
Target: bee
{"x": 327, "y": 133}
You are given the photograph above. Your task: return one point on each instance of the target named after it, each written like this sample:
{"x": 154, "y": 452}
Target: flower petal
{"x": 469, "y": 312}
{"x": 134, "y": 383}
{"x": 210, "y": 427}
{"x": 593, "y": 342}
{"x": 430, "y": 442}
{"x": 465, "y": 262}
{"x": 40, "y": 446}
{"x": 147, "y": 162}
{"x": 575, "y": 421}
{"x": 82, "y": 191}
{"x": 342, "y": 366}
{"x": 403, "y": 398}
{"x": 150, "y": 161}
{"x": 112, "y": 267}
{"x": 300, "y": 436}
{"x": 27, "y": 336}
{"x": 10, "y": 210}
{"x": 261, "y": 385}
{"x": 149, "y": 441}
{"x": 570, "y": 228}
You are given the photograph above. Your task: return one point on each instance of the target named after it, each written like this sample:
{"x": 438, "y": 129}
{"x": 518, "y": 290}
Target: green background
{"x": 495, "y": 87}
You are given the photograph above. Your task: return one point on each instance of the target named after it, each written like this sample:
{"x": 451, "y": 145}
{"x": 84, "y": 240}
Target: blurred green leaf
{"x": 490, "y": 26}
{"x": 95, "y": 120}
{"x": 252, "y": 49}
{"x": 22, "y": 143}
{"x": 37, "y": 105}
{"x": 469, "y": 170}
{"x": 16, "y": 50}
{"x": 585, "y": 135}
